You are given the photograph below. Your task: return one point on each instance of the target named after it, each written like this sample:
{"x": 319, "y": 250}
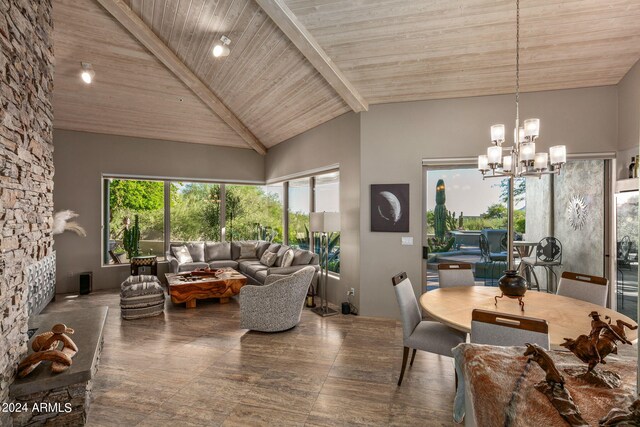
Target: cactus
{"x": 435, "y": 245}
{"x": 131, "y": 239}
{"x": 461, "y": 221}
{"x": 440, "y": 212}
{"x": 452, "y": 221}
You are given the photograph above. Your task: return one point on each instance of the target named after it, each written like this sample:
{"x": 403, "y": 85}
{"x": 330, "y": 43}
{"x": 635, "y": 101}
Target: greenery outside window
{"x": 126, "y": 199}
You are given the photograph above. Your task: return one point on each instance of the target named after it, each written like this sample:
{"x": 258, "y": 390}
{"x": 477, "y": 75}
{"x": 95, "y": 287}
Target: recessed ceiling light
{"x": 87, "y": 73}
{"x": 222, "y": 47}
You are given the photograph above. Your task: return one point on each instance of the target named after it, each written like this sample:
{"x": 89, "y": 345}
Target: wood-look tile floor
{"x": 197, "y": 367}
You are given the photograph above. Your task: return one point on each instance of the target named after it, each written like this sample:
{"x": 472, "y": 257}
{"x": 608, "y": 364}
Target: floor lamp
{"x": 324, "y": 223}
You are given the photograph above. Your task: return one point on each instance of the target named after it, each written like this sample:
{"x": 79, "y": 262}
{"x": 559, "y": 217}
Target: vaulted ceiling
{"x": 272, "y": 82}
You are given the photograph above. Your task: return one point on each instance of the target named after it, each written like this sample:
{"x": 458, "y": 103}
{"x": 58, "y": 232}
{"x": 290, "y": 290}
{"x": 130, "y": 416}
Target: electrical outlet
{"x": 351, "y": 292}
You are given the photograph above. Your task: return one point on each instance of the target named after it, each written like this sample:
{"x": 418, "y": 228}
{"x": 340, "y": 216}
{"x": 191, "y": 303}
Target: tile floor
{"x": 198, "y": 368}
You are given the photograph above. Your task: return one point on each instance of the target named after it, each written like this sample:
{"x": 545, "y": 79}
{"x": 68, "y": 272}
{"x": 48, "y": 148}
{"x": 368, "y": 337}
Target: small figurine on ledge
{"x": 46, "y": 347}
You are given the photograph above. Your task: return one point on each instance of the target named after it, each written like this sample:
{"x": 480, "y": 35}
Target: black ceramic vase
{"x": 512, "y": 285}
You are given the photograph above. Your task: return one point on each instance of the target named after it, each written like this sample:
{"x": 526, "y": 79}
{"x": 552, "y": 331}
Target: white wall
{"x": 80, "y": 160}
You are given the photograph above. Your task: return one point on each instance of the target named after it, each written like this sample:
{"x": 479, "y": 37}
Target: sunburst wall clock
{"x": 577, "y": 211}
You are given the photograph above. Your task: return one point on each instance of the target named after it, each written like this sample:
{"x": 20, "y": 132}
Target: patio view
{"x": 466, "y": 221}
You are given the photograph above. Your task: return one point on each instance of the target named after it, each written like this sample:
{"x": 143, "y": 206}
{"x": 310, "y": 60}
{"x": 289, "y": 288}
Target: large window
{"x": 253, "y": 212}
{"x": 195, "y": 211}
{"x": 128, "y": 199}
{"x": 327, "y": 199}
{"x": 200, "y": 211}
{"x": 299, "y": 208}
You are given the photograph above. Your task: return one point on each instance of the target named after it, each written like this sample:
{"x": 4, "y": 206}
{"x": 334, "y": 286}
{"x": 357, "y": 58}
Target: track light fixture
{"x": 87, "y": 73}
{"x": 221, "y": 48}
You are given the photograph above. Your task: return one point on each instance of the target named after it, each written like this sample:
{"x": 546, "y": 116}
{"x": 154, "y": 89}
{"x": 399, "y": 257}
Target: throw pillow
{"x": 301, "y": 257}
{"x": 287, "y": 258}
{"x": 268, "y": 258}
{"x": 281, "y": 253}
{"x": 247, "y": 250}
{"x": 261, "y": 247}
{"x": 182, "y": 254}
{"x": 196, "y": 249}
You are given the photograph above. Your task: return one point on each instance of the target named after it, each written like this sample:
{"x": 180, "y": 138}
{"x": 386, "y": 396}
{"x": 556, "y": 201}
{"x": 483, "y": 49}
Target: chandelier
{"x": 523, "y": 159}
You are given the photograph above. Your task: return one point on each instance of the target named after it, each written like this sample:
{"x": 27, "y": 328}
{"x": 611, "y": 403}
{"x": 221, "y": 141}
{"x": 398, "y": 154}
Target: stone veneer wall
{"x": 26, "y": 167}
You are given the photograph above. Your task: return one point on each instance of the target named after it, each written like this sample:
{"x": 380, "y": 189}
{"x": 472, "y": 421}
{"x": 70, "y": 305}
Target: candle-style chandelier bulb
{"x": 497, "y": 134}
{"x": 527, "y": 152}
{"x": 507, "y": 163}
{"x": 558, "y": 155}
{"x": 494, "y": 155}
{"x": 483, "y": 163}
{"x": 540, "y": 162}
{"x": 531, "y": 129}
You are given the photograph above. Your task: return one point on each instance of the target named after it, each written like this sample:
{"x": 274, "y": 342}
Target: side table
{"x": 150, "y": 261}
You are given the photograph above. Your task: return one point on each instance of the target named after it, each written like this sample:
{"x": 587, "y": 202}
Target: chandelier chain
{"x": 517, "y": 63}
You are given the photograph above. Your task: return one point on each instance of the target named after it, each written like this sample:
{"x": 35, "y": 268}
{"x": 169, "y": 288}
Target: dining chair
{"x": 548, "y": 255}
{"x": 494, "y": 328}
{"x": 452, "y": 275}
{"x": 593, "y": 289}
{"x": 418, "y": 334}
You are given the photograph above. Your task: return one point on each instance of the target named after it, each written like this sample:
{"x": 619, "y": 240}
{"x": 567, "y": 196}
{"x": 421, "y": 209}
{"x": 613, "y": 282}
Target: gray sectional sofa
{"x": 229, "y": 254}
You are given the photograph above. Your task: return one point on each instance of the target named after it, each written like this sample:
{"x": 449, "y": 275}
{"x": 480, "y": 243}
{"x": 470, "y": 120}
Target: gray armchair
{"x": 277, "y": 305}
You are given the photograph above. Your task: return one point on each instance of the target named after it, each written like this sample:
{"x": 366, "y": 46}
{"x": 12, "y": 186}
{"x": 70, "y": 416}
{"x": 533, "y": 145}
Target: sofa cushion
{"x": 302, "y": 257}
{"x": 261, "y": 248}
{"x": 253, "y": 269}
{"x": 215, "y": 251}
{"x": 247, "y": 250}
{"x": 281, "y": 253}
{"x": 196, "y": 249}
{"x": 287, "y": 258}
{"x": 190, "y": 266}
{"x": 261, "y": 276}
{"x": 182, "y": 254}
{"x": 243, "y": 265}
{"x": 268, "y": 259}
{"x": 221, "y": 263}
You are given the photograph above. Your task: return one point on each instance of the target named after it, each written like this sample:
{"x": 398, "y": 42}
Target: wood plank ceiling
{"x": 133, "y": 94}
{"x": 399, "y": 50}
{"x": 390, "y": 50}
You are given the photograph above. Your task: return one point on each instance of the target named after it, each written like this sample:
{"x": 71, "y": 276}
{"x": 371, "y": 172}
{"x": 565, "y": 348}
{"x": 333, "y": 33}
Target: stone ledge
{"x": 88, "y": 336}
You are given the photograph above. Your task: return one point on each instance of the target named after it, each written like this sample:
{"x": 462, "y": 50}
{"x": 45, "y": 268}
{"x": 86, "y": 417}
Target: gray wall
{"x": 80, "y": 160}
{"x": 335, "y": 142}
{"x": 395, "y": 137}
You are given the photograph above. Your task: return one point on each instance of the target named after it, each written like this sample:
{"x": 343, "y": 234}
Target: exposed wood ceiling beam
{"x": 284, "y": 18}
{"x": 132, "y": 22}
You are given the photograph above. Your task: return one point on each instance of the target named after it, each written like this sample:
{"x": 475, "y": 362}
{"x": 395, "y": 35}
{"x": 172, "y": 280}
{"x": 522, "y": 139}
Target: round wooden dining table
{"x": 566, "y": 317}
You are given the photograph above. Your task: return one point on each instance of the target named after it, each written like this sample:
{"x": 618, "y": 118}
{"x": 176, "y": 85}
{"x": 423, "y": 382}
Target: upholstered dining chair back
{"x": 493, "y": 328}
{"x": 409, "y": 309}
{"x": 452, "y": 275}
{"x": 593, "y": 289}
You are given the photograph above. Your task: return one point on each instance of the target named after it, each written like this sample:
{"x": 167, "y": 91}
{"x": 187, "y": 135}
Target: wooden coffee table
{"x": 191, "y": 286}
